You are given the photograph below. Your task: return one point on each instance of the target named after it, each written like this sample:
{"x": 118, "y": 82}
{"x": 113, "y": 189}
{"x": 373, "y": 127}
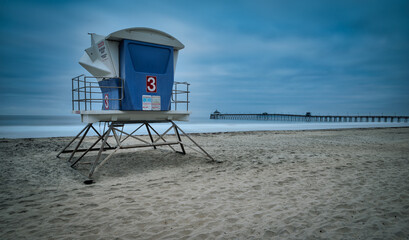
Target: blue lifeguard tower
{"x": 132, "y": 82}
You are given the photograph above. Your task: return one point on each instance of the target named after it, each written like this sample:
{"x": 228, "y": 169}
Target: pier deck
{"x": 308, "y": 117}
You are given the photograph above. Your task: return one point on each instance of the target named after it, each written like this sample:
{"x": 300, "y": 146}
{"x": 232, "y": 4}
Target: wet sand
{"x": 334, "y": 184}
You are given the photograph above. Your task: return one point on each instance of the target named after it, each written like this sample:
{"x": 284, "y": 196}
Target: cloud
{"x": 251, "y": 56}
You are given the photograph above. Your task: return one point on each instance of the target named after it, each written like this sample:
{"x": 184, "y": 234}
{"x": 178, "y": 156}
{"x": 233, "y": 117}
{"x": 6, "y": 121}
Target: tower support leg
{"x": 114, "y": 129}
{"x": 65, "y": 148}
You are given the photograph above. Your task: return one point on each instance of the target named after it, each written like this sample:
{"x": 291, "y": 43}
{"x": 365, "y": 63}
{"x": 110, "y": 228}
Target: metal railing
{"x": 86, "y": 92}
{"x": 87, "y": 95}
{"x": 182, "y": 93}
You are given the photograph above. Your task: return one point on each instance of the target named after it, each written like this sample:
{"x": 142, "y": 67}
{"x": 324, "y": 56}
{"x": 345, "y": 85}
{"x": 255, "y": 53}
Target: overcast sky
{"x": 328, "y": 57}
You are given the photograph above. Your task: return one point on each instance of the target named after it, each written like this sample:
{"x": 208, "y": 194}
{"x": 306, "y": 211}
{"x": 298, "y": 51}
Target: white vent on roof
{"x": 101, "y": 59}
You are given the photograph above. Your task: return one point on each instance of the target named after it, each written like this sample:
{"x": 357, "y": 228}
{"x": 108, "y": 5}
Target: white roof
{"x": 148, "y": 35}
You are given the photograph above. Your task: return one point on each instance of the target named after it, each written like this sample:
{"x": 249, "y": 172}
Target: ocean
{"x": 37, "y": 126}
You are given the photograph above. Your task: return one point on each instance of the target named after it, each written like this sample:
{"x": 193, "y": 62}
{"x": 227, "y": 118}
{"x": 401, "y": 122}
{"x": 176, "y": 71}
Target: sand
{"x": 334, "y": 184}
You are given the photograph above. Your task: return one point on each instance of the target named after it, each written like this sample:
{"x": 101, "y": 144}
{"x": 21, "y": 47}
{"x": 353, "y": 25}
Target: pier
{"x": 307, "y": 117}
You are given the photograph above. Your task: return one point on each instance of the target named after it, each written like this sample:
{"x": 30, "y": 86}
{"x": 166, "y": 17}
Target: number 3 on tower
{"x": 151, "y": 85}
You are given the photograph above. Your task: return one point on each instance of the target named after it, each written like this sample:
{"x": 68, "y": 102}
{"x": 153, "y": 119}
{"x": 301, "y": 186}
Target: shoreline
{"x": 310, "y": 184}
{"x": 239, "y": 131}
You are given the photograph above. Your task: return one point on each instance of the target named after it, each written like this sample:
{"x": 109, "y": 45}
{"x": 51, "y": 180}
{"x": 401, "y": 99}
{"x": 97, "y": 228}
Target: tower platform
{"x": 93, "y": 116}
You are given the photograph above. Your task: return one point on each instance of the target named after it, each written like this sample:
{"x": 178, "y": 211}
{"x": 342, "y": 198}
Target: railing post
{"x": 78, "y": 90}
{"x": 176, "y": 96}
{"x": 85, "y": 93}
{"x": 90, "y": 97}
{"x": 72, "y": 93}
{"x": 187, "y": 97}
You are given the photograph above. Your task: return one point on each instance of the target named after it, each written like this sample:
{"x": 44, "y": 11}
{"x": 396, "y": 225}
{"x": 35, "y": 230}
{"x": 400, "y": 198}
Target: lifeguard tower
{"x": 132, "y": 82}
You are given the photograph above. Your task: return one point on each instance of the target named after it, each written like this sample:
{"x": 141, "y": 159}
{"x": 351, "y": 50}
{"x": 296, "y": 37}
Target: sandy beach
{"x": 327, "y": 184}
